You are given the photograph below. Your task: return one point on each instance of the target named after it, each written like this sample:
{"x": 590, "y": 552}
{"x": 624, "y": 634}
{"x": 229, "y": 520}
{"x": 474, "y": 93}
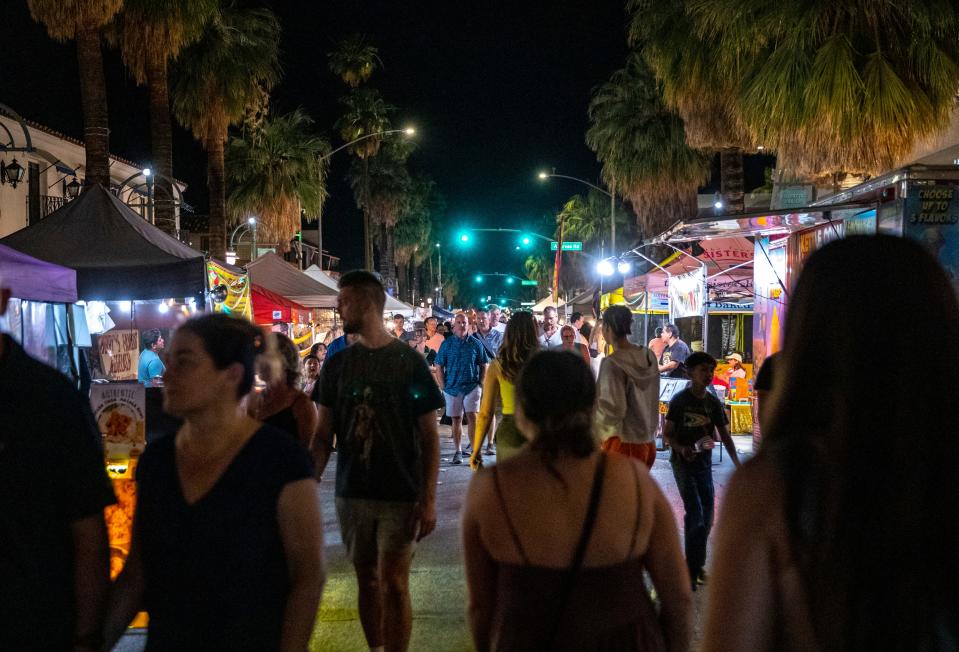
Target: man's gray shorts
{"x": 371, "y": 528}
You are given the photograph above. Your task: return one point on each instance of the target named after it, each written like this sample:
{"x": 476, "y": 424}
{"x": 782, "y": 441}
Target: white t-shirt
{"x": 553, "y": 342}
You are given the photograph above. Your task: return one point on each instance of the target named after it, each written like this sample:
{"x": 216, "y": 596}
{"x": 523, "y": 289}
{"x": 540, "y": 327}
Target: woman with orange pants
{"x": 627, "y": 406}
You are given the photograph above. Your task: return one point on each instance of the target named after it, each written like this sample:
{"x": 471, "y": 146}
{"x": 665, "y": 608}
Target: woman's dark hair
{"x": 315, "y": 349}
{"x": 863, "y": 446}
{"x": 228, "y": 340}
{"x": 289, "y": 356}
{"x": 520, "y": 343}
{"x": 619, "y": 320}
{"x": 556, "y": 391}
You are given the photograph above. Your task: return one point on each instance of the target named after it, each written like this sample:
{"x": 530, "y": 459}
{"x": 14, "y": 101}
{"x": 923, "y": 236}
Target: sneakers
{"x": 457, "y": 458}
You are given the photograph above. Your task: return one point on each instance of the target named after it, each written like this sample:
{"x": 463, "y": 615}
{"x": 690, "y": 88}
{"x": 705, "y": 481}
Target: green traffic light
{"x": 526, "y": 240}
{"x": 509, "y": 280}
{"x": 464, "y": 237}
{"x": 479, "y": 278}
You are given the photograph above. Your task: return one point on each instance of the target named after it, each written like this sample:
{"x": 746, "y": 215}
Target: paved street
{"x": 437, "y": 581}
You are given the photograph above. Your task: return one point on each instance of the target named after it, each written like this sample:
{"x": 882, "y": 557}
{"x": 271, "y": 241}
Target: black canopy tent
{"x": 116, "y": 253}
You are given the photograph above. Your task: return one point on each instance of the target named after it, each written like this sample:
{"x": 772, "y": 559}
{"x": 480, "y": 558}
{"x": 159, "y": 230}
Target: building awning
{"x": 761, "y": 224}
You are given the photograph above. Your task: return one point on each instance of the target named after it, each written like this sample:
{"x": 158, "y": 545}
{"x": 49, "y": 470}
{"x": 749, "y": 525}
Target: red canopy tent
{"x": 269, "y": 308}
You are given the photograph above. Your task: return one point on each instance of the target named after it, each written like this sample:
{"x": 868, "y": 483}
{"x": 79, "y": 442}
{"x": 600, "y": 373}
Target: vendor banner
{"x": 686, "y": 293}
{"x": 120, "y": 413}
{"x": 234, "y": 297}
{"x": 931, "y": 217}
{"x": 119, "y": 354}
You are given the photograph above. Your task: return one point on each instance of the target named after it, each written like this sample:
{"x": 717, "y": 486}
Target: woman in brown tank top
{"x": 529, "y": 518}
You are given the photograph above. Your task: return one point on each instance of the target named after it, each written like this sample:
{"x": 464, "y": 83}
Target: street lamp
{"x": 543, "y": 176}
{"x": 252, "y": 222}
{"x": 605, "y": 267}
{"x": 408, "y": 131}
{"x": 12, "y": 174}
{"x": 73, "y": 189}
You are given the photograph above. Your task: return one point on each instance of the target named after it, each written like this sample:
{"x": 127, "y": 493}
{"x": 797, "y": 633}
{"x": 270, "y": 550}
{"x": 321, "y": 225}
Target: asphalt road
{"x": 437, "y": 582}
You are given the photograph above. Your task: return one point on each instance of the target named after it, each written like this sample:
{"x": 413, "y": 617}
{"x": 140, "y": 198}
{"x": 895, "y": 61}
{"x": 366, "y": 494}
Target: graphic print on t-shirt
{"x": 364, "y": 428}
{"x": 696, "y": 420}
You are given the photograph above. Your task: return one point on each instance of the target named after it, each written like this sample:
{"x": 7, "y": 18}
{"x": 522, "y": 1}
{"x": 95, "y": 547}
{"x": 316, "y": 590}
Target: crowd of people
{"x": 828, "y": 539}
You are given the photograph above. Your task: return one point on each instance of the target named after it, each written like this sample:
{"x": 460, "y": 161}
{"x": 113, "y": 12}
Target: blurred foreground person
{"x": 227, "y": 539}
{"x": 627, "y": 410}
{"x": 841, "y": 533}
{"x": 378, "y": 397}
{"x": 520, "y": 343}
{"x": 557, "y": 538}
{"x": 282, "y": 404}
{"x": 54, "y": 555}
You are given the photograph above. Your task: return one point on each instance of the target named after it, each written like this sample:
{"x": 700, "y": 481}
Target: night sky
{"x": 497, "y": 91}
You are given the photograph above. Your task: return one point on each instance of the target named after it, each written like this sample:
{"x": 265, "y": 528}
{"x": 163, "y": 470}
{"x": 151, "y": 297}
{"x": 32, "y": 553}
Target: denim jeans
{"x": 695, "y": 482}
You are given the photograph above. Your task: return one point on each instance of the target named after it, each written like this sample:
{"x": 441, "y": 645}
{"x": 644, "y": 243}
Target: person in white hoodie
{"x": 627, "y": 407}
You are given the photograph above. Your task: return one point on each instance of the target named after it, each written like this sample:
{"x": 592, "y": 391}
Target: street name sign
{"x": 567, "y": 246}
{"x": 527, "y": 282}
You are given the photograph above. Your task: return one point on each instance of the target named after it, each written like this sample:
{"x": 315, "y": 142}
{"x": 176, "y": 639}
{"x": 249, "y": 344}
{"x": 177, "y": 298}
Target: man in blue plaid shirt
{"x": 460, "y": 364}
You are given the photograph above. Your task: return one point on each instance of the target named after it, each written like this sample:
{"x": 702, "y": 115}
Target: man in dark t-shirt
{"x": 54, "y": 555}
{"x": 672, "y": 362}
{"x": 379, "y": 398}
{"x": 694, "y": 416}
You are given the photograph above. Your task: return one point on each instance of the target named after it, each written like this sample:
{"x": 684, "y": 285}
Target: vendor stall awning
{"x": 269, "y": 308}
{"x": 117, "y": 254}
{"x": 271, "y": 272}
{"x": 766, "y": 223}
{"x": 36, "y": 280}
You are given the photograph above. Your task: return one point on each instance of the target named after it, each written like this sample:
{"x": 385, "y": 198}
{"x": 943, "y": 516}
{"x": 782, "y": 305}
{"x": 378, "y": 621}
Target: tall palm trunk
{"x": 387, "y": 264}
{"x": 367, "y": 231}
{"x": 731, "y": 179}
{"x": 161, "y": 139}
{"x": 93, "y": 97}
{"x": 415, "y": 287}
{"x": 403, "y": 281}
{"x": 217, "y": 187}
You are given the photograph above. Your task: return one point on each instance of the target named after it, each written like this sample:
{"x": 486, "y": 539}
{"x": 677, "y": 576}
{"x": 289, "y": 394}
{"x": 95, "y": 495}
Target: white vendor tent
{"x": 393, "y": 305}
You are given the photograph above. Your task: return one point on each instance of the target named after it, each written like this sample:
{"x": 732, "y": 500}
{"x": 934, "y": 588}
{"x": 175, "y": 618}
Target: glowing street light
{"x": 624, "y": 267}
{"x": 605, "y": 267}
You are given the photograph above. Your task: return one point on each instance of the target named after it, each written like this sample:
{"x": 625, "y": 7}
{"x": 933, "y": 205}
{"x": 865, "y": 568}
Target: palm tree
{"x": 82, "y": 20}
{"x": 382, "y": 186}
{"x": 275, "y": 172}
{"x": 538, "y": 269}
{"x": 215, "y": 81}
{"x": 366, "y": 114}
{"x": 413, "y": 233}
{"x": 587, "y": 218}
{"x": 150, "y": 34}
{"x": 842, "y": 86}
{"x": 354, "y": 60}
{"x": 686, "y": 62}
{"x": 642, "y": 147}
